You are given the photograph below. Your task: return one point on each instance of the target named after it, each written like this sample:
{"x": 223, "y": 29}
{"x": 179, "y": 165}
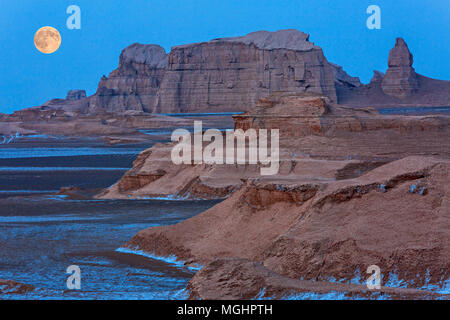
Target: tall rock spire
{"x": 401, "y": 79}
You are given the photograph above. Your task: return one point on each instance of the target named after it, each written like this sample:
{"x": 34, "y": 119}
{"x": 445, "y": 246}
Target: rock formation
{"x": 355, "y": 188}
{"x": 76, "y": 95}
{"x": 236, "y": 278}
{"x": 134, "y": 84}
{"x": 225, "y": 74}
{"x": 400, "y": 79}
{"x": 400, "y": 86}
{"x": 319, "y": 140}
{"x": 231, "y": 74}
{"x": 377, "y": 77}
{"x": 323, "y": 230}
{"x": 114, "y": 128}
{"x": 9, "y": 287}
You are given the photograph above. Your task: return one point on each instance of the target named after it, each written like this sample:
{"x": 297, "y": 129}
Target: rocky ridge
{"x": 232, "y": 74}
{"x": 225, "y": 74}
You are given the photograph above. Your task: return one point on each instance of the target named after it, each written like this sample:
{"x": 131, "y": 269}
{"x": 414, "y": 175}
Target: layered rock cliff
{"x": 319, "y": 141}
{"x": 134, "y": 84}
{"x": 395, "y": 217}
{"x": 231, "y": 74}
{"x": 400, "y": 79}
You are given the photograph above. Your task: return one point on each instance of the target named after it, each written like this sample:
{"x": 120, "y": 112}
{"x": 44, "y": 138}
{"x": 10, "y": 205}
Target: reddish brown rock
{"x": 232, "y": 74}
{"x": 326, "y": 230}
{"x": 78, "y": 193}
{"x": 318, "y": 141}
{"x": 301, "y": 115}
{"x": 377, "y": 77}
{"x": 323, "y": 216}
{"x": 226, "y": 74}
{"x": 400, "y": 79}
{"x": 294, "y": 115}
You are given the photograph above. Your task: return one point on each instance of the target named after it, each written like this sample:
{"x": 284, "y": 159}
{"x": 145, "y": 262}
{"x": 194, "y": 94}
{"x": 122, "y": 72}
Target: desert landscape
{"x": 363, "y": 179}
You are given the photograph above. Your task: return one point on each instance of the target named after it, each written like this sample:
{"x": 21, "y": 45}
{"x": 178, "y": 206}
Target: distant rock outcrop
{"x": 10, "y": 287}
{"x": 134, "y": 84}
{"x": 232, "y": 74}
{"x": 400, "y": 79}
{"x": 400, "y": 86}
{"x": 76, "y": 95}
{"x": 225, "y": 74}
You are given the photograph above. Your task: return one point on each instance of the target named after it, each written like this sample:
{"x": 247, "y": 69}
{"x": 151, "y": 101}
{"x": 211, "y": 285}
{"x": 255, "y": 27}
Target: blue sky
{"x": 29, "y": 78}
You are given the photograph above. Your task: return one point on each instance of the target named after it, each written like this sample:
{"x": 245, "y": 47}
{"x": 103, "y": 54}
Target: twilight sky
{"x": 29, "y": 78}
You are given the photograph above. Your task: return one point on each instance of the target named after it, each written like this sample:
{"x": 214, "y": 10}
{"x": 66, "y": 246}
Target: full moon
{"x": 47, "y": 40}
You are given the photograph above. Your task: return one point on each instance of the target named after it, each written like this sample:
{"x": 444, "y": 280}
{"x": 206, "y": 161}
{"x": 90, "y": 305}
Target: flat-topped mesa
{"x": 298, "y": 115}
{"x": 231, "y": 74}
{"x": 135, "y": 83}
{"x": 401, "y": 79}
{"x": 291, "y": 39}
{"x": 226, "y": 74}
{"x": 149, "y": 55}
